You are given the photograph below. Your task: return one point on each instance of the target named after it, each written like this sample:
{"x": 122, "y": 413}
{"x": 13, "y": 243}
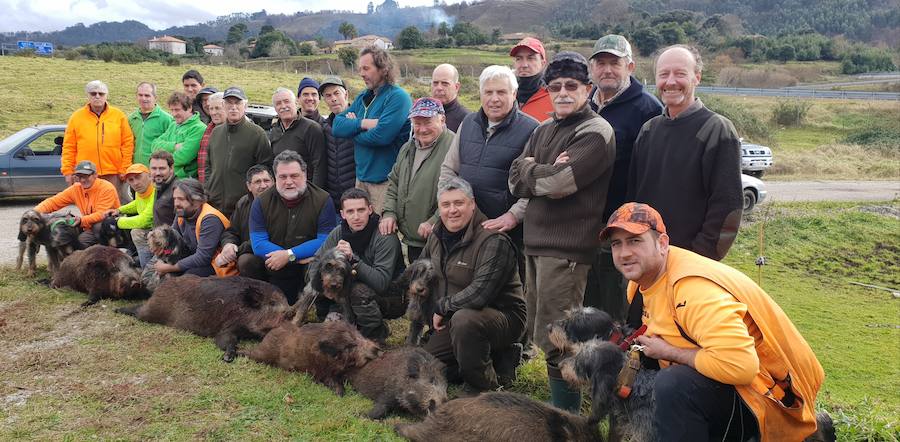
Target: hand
{"x": 529, "y": 159}
{"x": 227, "y": 255}
{"x": 162, "y": 267}
{"x": 344, "y": 247}
{"x": 305, "y": 261}
{"x": 368, "y": 123}
{"x": 387, "y": 226}
{"x": 437, "y": 321}
{"x": 111, "y": 212}
{"x": 277, "y": 260}
{"x": 350, "y": 115}
{"x": 503, "y": 223}
{"x": 425, "y": 229}
{"x": 657, "y": 348}
{"x": 70, "y": 178}
{"x": 563, "y": 158}
{"x": 76, "y": 220}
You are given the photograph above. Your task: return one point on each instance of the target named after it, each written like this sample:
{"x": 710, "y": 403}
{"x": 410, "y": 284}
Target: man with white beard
{"x": 687, "y": 162}
{"x": 293, "y": 131}
{"x": 289, "y": 222}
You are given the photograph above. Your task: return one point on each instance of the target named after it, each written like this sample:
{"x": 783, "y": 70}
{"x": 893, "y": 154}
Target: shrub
{"x": 862, "y": 59}
{"x": 790, "y": 112}
{"x": 745, "y": 122}
{"x": 348, "y": 56}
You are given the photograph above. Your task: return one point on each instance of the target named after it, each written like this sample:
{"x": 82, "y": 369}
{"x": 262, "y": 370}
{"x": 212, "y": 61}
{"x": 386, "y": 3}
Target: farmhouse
{"x": 366, "y": 40}
{"x": 214, "y": 50}
{"x": 168, "y": 44}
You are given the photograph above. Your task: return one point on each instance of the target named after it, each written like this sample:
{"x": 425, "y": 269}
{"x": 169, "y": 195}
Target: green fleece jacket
{"x": 147, "y": 131}
{"x": 411, "y": 197}
{"x": 188, "y": 134}
{"x": 141, "y": 209}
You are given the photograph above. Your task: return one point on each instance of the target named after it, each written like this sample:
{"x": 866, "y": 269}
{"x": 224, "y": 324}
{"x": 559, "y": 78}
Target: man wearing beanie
{"x": 529, "y": 60}
{"x": 564, "y": 171}
{"x": 308, "y": 99}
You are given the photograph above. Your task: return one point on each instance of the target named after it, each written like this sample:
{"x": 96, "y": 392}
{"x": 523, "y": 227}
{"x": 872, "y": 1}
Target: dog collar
{"x": 69, "y": 221}
{"x": 167, "y": 252}
{"x": 624, "y": 344}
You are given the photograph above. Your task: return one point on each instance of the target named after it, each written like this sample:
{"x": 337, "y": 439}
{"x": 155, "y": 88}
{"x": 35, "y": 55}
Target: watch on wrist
{"x": 291, "y": 256}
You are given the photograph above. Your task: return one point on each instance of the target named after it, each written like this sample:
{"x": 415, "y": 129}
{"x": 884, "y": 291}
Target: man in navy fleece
{"x": 289, "y": 222}
{"x": 377, "y": 122}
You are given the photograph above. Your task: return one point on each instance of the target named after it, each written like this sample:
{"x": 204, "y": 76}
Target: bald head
{"x": 445, "y": 83}
{"x": 678, "y": 70}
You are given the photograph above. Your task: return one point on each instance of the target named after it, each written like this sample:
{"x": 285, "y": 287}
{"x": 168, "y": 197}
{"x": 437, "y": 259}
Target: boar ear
{"x": 98, "y": 269}
{"x": 328, "y": 348}
{"x": 251, "y": 296}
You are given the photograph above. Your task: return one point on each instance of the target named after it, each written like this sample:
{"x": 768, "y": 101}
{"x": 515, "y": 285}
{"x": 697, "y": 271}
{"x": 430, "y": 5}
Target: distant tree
{"x": 495, "y": 36}
{"x": 444, "y": 29}
{"x": 863, "y": 59}
{"x": 387, "y": 6}
{"x": 370, "y": 9}
{"x": 410, "y": 38}
{"x": 782, "y": 52}
{"x": 348, "y": 55}
{"x": 671, "y": 33}
{"x": 466, "y": 34}
{"x": 265, "y": 43}
{"x": 647, "y": 40}
{"x": 265, "y": 29}
{"x": 305, "y": 48}
{"x": 279, "y": 49}
{"x": 347, "y": 30}
{"x": 236, "y": 33}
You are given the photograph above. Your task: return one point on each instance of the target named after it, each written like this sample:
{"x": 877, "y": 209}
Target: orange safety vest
{"x": 229, "y": 269}
{"x": 786, "y": 361}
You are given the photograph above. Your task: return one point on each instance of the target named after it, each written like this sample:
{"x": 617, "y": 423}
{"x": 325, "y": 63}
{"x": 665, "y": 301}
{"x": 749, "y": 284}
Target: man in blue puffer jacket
{"x": 377, "y": 122}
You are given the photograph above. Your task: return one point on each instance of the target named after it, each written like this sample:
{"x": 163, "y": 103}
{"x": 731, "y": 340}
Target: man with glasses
{"x": 99, "y": 133}
{"x": 93, "y": 198}
{"x": 564, "y": 171}
{"x": 236, "y": 245}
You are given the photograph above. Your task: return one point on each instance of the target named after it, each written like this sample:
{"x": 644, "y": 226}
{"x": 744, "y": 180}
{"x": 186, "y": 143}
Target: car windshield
{"x": 15, "y": 139}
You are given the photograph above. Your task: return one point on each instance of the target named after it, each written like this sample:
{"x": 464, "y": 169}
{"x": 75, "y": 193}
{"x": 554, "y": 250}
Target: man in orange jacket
{"x": 99, "y": 133}
{"x": 529, "y": 61}
{"x": 732, "y": 361}
{"x": 92, "y": 197}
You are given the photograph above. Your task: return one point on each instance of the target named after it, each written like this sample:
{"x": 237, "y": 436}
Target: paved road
{"x": 10, "y": 211}
{"x": 797, "y": 93}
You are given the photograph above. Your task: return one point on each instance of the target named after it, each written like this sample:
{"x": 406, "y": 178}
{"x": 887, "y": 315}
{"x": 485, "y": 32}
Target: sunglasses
{"x": 570, "y": 86}
{"x": 96, "y": 94}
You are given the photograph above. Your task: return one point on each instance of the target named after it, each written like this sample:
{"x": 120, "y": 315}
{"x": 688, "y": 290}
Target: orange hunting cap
{"x": 136, "y": 168}
{"x": 635, "y": 218}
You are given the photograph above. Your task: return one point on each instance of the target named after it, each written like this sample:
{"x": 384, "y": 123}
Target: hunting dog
{"x": 331, "y": 275}
{"x": 166, "y": 244}
{"x": 56, "y": 233}
{"x": 418, "y": 284}
{"x": 109, "y": 234}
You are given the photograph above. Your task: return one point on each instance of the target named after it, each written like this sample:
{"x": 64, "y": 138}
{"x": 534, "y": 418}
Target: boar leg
{"x": 415, "y": 331}
{"x": 379, "y": 410}
{"x": 93, "y": 298}
{"x": 227, "y": 341}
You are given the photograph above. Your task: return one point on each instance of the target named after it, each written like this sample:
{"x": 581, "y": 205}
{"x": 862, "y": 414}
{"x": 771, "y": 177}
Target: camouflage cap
{"x": 635, "y": 218}
{"x": 613, "y": 44}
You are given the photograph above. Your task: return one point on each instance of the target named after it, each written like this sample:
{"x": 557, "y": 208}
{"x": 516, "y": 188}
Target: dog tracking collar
{"x": 628, "y": 374}
{"x": 66, "y": 220}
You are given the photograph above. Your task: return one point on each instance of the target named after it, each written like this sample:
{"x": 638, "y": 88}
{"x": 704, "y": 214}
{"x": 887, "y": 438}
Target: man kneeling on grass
{"x": 732, "y": 362}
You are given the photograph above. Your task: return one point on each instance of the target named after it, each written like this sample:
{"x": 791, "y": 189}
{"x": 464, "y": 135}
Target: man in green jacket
{"x": 182, "y": 139}
{"x": 140, "y": 210}
{"x": 378, "y": 260}
{"x": 410, "y": 204}
{"x": 147, "y": 123}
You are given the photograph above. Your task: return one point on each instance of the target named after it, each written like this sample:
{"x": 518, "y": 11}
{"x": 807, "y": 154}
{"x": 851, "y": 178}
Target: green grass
{"x": 75, "y": 374}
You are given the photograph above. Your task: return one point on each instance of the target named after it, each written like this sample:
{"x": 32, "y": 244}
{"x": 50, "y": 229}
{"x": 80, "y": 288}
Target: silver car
{"x": 754, "y": 191}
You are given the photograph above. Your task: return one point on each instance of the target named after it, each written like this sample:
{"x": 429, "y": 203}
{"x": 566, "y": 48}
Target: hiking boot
{"x": 505, "y": 363}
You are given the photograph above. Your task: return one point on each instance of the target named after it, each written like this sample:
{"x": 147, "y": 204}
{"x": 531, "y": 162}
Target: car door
{"x": 34, "y": 166}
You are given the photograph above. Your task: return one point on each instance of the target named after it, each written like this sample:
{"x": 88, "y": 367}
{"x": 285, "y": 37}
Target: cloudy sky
{"x": 54, "y": 15}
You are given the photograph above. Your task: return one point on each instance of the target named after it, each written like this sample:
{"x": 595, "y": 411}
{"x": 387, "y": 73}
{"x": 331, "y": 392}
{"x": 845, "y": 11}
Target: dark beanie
{"x": 567, "y": 64}
{"x": 307, "y": 82}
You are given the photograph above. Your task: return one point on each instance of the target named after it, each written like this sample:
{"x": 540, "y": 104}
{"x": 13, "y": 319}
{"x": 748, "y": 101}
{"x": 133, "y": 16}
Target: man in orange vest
{"x": 529, "y": 61}
{"x": 732, "y": 362}
{"x": 201, "y": 226}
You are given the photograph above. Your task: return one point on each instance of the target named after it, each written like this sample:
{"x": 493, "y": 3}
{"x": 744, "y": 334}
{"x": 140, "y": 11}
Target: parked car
{"x": 262, "y": 115}
{"x": 755, "y": 159}
{"x": 30, "y": 161}
{"x": 754, "y": 191}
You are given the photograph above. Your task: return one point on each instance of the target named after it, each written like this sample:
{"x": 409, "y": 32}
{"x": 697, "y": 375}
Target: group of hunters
{"x": 508, "y": 202}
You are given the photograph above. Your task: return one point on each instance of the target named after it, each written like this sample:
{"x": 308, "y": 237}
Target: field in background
{"x": 74, "y": 374}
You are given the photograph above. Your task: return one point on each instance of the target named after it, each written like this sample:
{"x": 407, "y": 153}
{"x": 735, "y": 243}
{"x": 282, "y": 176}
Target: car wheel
{"x": 749, "y": 199}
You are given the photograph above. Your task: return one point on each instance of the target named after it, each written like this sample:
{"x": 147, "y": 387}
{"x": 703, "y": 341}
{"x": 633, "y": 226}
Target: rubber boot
{"x": 563, "y": 396}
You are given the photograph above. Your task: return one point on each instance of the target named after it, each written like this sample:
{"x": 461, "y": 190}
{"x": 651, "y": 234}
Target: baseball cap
{"x": 635, "y": 218}
{"x": 530, "y": 43}
{"x": 426, "y": 107}
{"x": 209, "y": 90}
{"x": 236, "y": 92}
{"x": 613, "y": 44}
{"x": 305, "y": 83}
{"x": 329, "y": 80}
{"x": 85, "y": 168}
{"x": 136, "y": 168}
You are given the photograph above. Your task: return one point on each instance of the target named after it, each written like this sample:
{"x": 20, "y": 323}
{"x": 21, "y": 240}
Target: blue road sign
{"x": 39, "y": 47}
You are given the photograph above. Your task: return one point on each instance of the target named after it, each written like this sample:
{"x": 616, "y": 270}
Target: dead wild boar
{"x": 326, "y": 351}
{"x": 227, "y": 309}
{"x": 499, "y": 417}
{"x": 407, "y": 378}
{"x": 101, "y": 272}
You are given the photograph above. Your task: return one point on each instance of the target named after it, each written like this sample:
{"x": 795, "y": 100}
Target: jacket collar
{"x": 575, "y": 117}
{"x": 472, "y": 229}
{"x": 507, "y": 120}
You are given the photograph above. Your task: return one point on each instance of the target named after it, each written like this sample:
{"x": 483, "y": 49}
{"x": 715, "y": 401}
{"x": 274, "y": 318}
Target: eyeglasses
{"x": 570, "y": 86}
{"x": 96, "y": 94}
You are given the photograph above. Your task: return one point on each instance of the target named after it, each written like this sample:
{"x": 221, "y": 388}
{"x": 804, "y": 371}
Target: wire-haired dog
{"x": 331, "y": 276}
{"x": 580, "y": 325}
{"x": 418, "y": 283}
{"x": 166, "y": 244}
{"x": 109, "y": 234}
{"x": 57, "y": 233}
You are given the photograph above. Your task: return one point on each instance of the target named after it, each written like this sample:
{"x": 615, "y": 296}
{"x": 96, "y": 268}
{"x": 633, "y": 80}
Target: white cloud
{"x": 55, "y": 15}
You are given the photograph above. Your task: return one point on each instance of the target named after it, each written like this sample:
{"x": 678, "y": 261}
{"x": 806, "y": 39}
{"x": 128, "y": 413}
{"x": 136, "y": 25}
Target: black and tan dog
{"x": 331, "y": 277}
{"x": 418, "y": 283}
{"x": 108, "y": 233}
{"x": 579, "y": 326}
{"x": 56, "y": 233}
{"x": 167, "y": 245}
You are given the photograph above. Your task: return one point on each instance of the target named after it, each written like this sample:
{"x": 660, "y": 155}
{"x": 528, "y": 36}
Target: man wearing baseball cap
{"x": 140, "y": 210}
{"x": 338, "y": 151}
{"x": 410, "y": 203}
{"x": 234, "y": 147}
{"x": 622, "y": 101}
{"x": 732, "y": 362}
{"x": 91, "y": 196}
{"x": 564, "y": 171}
{"x": 529, "y": 61}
